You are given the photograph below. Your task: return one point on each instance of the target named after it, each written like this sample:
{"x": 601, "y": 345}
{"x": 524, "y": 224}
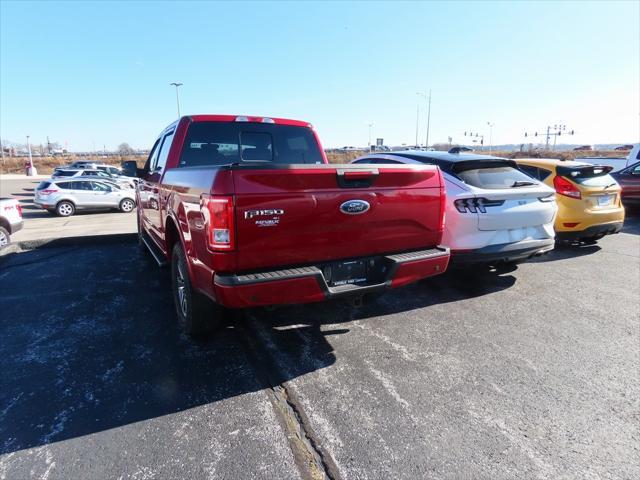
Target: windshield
{"x": 223, "y": 143}
{"x": 495, "y": 177}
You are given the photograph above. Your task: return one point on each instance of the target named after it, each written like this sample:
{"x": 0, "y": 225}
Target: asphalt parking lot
{"x": 530, "y": 373}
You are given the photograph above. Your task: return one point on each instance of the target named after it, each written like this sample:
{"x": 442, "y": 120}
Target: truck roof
{"x": 246, "y": 118}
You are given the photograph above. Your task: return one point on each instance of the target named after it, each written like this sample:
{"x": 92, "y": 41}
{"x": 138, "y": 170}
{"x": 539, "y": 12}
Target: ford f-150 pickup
{"x": 248, "y": 212}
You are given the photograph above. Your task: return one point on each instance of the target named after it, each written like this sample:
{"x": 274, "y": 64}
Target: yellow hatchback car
{"x": 589, "y": 203}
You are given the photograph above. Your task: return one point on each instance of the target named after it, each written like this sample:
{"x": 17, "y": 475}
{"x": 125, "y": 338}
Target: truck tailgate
{"x": 305, "y": 214}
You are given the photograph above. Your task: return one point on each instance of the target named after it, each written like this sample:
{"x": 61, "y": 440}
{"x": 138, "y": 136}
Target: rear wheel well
{"x": 171, "y": 235}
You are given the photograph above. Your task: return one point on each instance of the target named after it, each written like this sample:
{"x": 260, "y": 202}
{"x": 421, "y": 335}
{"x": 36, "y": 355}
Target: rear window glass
{"x": 65, "y": 185}
{"x": 43, "y": 185}
{"x": 588, "y": 176}
{"x": 62, "y": 173}
{"x": 219, "y": 143}
{"x": 599, "y": 181}
{"x": 494, "y": 177}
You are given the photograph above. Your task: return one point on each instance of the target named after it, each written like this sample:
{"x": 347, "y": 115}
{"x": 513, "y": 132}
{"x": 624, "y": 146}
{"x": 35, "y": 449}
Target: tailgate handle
{"x": 356, "y": 178}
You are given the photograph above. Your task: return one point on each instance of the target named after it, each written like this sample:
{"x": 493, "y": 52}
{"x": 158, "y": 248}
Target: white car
{"x": 10, "y": 219}
{"x": 63, "y": 196}
{"x": 495, "y": 213}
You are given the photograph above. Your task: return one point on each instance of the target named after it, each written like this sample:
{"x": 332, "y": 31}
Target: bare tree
{"x": 125, "y": 149}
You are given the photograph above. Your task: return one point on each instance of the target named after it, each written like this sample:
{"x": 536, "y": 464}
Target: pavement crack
{"x": 313, "y": 462}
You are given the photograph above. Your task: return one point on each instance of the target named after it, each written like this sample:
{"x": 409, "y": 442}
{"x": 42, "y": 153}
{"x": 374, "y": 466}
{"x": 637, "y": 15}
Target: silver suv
{"x": 63, "y": 196}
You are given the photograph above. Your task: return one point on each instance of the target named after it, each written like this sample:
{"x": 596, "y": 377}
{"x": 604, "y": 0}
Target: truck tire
{"x": 65, "y": 209}
{"x": 197, "y": 315}
{"x": 5, "y": 239}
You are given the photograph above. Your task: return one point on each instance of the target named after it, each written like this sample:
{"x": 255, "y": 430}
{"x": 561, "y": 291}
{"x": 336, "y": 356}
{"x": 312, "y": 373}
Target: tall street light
{"x": 428, "y": 119}
{"x": 177, "y": 84}
{"x": 371, "y": 124}
{"x": 491, "y": 125}
{"x": 423, "y": 95}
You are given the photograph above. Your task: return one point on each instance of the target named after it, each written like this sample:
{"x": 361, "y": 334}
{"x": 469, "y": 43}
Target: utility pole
{"x": 558, "y": 130}
{"x": 48, "y": 145}
{"x": 428, "y": 119}
{"x": 546, "y": 147}
{"x": 177, "y": 85}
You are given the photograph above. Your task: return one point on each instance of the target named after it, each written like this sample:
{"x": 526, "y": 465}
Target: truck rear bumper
{"x": 308, "y": 284}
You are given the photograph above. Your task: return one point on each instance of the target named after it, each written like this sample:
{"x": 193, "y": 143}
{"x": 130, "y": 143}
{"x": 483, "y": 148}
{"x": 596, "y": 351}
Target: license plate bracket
{"x": 348, "y": 272}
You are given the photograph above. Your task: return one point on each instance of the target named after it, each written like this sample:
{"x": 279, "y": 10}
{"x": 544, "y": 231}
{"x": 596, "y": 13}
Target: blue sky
{"x": 98, "y": 73}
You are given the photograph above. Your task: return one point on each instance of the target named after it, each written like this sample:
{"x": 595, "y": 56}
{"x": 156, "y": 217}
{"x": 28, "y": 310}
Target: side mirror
{"x": 130, "y": 168}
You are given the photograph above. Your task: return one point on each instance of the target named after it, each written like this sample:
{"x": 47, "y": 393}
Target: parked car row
{"x": 86, "y": 185}
{"x": 248, "y": 212}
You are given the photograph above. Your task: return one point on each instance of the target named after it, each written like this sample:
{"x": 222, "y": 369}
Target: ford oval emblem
{"x": 354, "y": 207}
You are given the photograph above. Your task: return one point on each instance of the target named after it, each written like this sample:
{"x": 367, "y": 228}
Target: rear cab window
{"x": 225, "y": 143}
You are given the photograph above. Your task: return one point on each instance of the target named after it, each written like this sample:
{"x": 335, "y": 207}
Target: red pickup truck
{"x": 248, "y": 212}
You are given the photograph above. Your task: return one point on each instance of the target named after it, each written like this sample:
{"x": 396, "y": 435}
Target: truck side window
{"x": 152, "y": 156}
{"x": 161, "y": 159}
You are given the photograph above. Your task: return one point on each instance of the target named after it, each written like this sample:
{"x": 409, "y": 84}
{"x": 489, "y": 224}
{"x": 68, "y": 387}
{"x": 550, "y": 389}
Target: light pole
{"x": 491, "y": 125}
{"x": 417, "y": 122}
{"x": 177, "y": 84}
{"x": 428, "y": 119}
{"x": 370, "y": 125}
{"x": 423, "y": 95}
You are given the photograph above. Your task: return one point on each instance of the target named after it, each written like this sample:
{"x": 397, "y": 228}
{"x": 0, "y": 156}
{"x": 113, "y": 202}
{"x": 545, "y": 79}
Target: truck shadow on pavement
{"x": 89, "y": 342}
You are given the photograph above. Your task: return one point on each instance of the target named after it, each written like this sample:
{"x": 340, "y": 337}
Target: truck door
{"x": 155, "y": 203}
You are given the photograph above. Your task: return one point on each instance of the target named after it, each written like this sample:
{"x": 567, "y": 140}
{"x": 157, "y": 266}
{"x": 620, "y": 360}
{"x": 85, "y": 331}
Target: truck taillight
{"x": 566, "y": 188}
{"x": 48, "y": 191}
{"x": 219, "y": 218}
{"x": 19, "y": 209}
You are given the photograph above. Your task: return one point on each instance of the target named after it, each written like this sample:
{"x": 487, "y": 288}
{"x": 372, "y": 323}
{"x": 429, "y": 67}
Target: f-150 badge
{"x": 259, "y": 215}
